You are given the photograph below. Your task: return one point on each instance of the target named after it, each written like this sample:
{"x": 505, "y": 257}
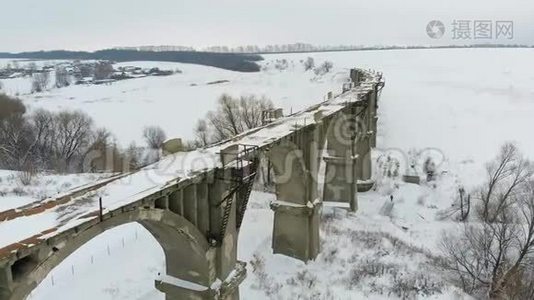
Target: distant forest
{"x": 228, "y": 61}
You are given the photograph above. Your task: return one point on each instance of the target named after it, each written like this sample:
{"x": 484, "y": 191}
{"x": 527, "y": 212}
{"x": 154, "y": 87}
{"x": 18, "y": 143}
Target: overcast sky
{"x": 95, "y": 24}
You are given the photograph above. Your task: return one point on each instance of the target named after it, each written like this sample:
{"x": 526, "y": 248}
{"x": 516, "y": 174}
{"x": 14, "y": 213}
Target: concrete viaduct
{"x": 193, "y": 203}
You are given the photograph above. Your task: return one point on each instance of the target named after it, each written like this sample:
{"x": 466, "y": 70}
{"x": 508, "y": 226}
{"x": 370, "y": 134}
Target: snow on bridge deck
{"x": 27, "y": 226}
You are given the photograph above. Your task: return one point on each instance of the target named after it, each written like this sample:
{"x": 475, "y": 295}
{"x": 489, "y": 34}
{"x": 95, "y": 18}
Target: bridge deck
{"x": 28, "y": 226}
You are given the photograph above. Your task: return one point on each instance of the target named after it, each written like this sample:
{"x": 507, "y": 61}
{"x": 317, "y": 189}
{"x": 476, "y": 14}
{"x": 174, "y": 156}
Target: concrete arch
{"x": 185, "y": 248}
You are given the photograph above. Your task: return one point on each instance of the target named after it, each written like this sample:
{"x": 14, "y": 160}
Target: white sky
{"x": 95, "y": 24}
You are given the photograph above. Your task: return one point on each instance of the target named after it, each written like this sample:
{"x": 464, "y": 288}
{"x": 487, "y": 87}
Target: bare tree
{"x": 251, "y": 109}
{"x": 62, "y": 77}
{"x": 63, "y": 141}
{"x": 103, "y": 70}
{"x": 235, "y": 115}
{"x": 16, "y": 138}
{"x": 505, "y": 175}
{"x": 154, "y": 136}
{"x": 202, "y": 133}
{"x": 15, "y": 133}
{"x": 73, "y": 134}
{"x": 40, "y": 81}
{"x": 44, "y": 127}
{"x": 492, "y": 257}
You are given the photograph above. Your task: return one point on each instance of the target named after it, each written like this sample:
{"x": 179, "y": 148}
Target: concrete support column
{"x": 162, "y": 203}
{"x": 216, "y": 193}
{"x": 176, "y": 202}
{"x": 203, "y": 206}
{"x": 372, "y": 118}
{"x": 223, "y": 227}
{"x": 296, "y": 230}
{"x": 190, "y": 204}
{"x": 363, "y": 149}
{"x": 6, "y": 282}
{"x": 340, "y": 175}
{"x": 297, "y": 208}
{"x": 374, "y": 134}
{"x": 341, "y": 181}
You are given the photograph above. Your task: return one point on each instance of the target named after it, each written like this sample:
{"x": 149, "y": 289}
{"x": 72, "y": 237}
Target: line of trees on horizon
{"x": 228, "y": 61}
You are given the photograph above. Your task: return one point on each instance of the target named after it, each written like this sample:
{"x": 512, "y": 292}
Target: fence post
{"x": 101, "y": 215}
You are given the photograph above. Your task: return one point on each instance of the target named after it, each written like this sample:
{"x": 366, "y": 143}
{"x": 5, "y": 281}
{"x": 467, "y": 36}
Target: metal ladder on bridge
{"x": 242, "y": 179}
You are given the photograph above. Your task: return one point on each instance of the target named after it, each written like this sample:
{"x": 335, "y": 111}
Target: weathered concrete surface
{"x": 340, "y": 183}
{"x": 184, "y": 246}
{"x": 197, "y": 213}
{"x": 363, "y": 150}
{"x": 349, "y": 135}
{"x": 172, "y": 146}
{"x": 297, "y": 209}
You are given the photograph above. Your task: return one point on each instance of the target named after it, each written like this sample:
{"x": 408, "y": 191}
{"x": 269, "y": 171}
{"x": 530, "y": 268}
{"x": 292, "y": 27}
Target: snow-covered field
{"x": 20, "y": 188}
{"x": 459, "y": 104}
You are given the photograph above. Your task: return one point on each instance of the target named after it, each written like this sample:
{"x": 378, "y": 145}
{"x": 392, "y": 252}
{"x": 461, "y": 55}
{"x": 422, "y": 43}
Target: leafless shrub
{"x": 374, "y": 268}
{"x": 329, "y": 255}
{"x": 40, "y": 81}
{"x": 304, "y": 279}
{"x": 264, "y": 282}
{"x": 257, "y": 263}
{"x": 408, "y": 286}
{"x": 324, "y": 68}
{"x": 309, "y": 64}
{"x": 405, "y": 284}
{"x": 281, "y": 64}
{"x": 154, "y": 136}
{"x": 26, "y": 177}
{"x": 19, "y": 191}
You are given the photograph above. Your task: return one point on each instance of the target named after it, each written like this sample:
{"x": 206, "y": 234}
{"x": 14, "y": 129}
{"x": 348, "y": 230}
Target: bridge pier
{"x": 363, "y": 150}
{"x": 297, "y": 208}
{"x": 340, "y": 180}
{"x": 373, "y": 116}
